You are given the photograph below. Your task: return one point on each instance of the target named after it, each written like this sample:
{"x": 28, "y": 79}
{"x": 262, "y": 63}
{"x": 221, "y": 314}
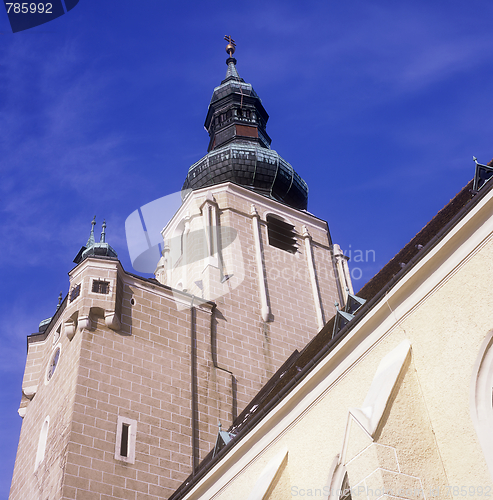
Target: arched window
{"x": 345, "y": 489}
{"x": 481, "y": 400}
{"x": 43, "y": 437}
{"x": 340, "y": 489}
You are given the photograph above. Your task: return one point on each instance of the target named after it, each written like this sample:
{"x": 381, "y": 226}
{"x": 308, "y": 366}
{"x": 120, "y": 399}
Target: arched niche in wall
{"x": 481, "y": 398}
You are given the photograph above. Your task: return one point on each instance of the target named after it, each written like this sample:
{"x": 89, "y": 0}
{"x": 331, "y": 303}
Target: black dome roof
{"x": 239, "y": 147}
{"x": 253, "y": 167}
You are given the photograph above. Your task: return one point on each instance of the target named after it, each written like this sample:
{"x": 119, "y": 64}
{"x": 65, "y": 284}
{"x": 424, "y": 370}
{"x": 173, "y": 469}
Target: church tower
{"x": 125, "y": 385}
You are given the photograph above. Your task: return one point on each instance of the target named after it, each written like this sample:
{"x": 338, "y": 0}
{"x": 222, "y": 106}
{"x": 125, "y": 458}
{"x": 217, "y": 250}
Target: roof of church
{"x": 239, "y": 147}
{"x": 301, "y": 363}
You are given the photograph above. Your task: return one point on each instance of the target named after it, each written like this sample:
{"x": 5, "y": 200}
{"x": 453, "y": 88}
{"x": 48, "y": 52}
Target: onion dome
{"x": 239, "y": 147}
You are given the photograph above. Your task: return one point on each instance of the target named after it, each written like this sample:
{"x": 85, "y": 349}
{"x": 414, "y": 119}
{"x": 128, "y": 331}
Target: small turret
{"x": 94, "y": 249}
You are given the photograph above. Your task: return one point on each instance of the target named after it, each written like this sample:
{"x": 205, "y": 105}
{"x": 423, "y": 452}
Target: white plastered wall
{"x": 443, "y": 307}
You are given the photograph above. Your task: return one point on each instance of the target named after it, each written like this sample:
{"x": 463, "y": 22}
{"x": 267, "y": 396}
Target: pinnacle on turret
{"x": 43, "y": 325}
{"x": 94, "y": 249}
{"x": 103, "y": 233}
{"x": 91, "y": 240}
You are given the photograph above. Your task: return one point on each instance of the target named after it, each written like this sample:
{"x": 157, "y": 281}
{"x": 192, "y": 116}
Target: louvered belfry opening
{"x": 281, "y": 234}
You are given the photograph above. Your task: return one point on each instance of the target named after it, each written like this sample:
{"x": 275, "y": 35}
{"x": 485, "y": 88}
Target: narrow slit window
{"x": 281, "y": 234}
{"x": 212, "y": 249}
{"x": 124, "y": 441}
{"x": 126, "y": 433}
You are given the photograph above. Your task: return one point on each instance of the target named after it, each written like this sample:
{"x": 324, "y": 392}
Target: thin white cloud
{"x": 52, "y": 149}
{"x": 390, "y": 52}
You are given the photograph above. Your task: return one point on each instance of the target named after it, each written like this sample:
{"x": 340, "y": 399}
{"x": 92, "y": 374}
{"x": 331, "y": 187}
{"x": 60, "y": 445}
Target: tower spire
{"x": 239, "y": 146}
{"x": 91, "y": 241}
{"x": 103, "y": 233}
{"x": 231, "y": 61}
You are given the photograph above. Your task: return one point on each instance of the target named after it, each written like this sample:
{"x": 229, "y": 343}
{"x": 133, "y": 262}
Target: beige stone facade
{"x": 252, "y": 322}
{"x": 158, "y": 365}
{"x": 400, "y": 404}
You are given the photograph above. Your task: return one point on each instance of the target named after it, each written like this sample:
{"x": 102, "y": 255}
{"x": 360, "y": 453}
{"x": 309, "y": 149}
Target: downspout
{"x": 193, "y": 383}
{"x": 234, "y": 408}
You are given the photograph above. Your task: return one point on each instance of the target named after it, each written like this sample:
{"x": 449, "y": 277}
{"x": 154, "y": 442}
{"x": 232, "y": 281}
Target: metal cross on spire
{"x": 231, "y": 47}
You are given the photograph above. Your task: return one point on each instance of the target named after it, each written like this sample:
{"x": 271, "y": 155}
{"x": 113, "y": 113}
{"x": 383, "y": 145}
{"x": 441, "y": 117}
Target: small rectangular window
{"x": 75, "y": 292}
{"x": 124, "y": 442}
{"x": 99, "y": 286}
{"x": 126, "y": 433}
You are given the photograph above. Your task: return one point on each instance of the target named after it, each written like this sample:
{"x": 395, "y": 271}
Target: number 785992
{"x": 32, "y": 8}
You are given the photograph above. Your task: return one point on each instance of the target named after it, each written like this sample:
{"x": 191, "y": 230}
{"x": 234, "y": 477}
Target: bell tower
{"x": 126, "y": 383}
{"x": 244, "y": 240}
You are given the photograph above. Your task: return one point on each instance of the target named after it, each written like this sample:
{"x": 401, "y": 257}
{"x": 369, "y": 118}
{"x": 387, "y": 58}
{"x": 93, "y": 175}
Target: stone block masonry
{"x": 167, "y": 364}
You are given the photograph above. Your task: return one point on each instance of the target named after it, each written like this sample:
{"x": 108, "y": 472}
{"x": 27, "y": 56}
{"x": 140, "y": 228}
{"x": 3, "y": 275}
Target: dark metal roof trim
{"x": 40, "y": 337}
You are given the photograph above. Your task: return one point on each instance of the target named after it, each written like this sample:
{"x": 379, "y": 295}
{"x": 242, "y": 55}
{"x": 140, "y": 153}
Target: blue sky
{"x": 378, "y": 105}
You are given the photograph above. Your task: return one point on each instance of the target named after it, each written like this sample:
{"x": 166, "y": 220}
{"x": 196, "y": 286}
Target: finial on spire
{"x": 59, "y": 301}
{"x": 231, "y": 47}
{"x": 91, "y": 241}
{"x": 94, "y": 249}
{"x": 103, "y": 233}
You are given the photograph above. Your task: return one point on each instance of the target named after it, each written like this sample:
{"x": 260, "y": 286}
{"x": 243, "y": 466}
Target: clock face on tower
{"x": 53, "y": 364}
